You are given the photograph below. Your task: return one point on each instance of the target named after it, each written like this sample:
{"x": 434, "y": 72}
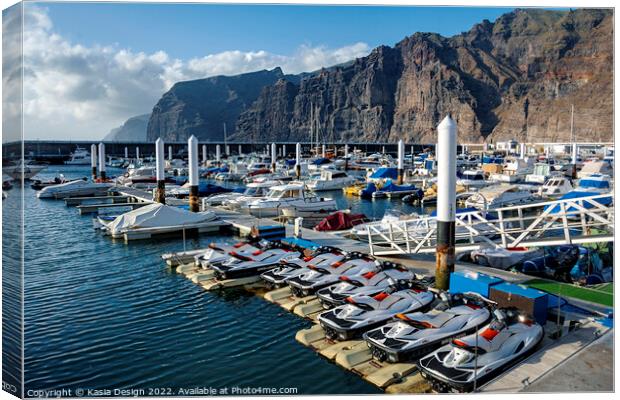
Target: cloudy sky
{"x": 89, "y": 67}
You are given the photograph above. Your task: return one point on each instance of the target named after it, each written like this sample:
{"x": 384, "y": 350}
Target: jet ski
{"x": 244, "y": 266}
{"x": 322, "y": 257}
{"x": 317, "y": 277}
{"x": 413, "y": 335}
{"x": 475, "y": 359}
{"x": 220, "y": 252}
{"x": 370, "y": 283}
{"x": 362, "y": 312}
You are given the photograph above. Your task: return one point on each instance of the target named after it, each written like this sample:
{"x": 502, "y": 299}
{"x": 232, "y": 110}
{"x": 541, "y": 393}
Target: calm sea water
{"x": 102, "y": 314}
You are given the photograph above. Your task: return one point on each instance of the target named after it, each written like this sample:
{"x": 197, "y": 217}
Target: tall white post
{"x": 574, "y": 160}
{"x": 126, "y": 153}
{"x": 204, "y": 154}
{"x": 192, "y": 145}
{"x": 137, "y": 154}
{"x": 160, "y": 193}
{"x": 323, "y": 151}
{"x": 102, "y": 161}
{"x": 446, "y": 201}
{"x": 218, "y": 153}
{"x": 401, "y": 161}
{"x": 346, "y": 157}
{"x": 227, "y": 148}
{"x": 283, "y": 151}
{"x": 298, "y": 160}
{"x": 522, "y": 151}
{"x": 93, "y": 160}
{"x": 274, "y": 157}
{"x": 170, "y": 153}
{"x": 240, "y": 150}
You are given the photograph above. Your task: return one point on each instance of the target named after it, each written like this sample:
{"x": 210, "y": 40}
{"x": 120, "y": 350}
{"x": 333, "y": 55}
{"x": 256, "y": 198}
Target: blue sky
{"x": 94, "y": 65}
{"x": 193, "y": 30}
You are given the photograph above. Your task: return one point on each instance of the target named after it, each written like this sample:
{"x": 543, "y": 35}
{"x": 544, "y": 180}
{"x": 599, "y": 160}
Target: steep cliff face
{"x": 202, "y": 107}
{"x": 134, "y": 129}
{"x": 514, "y": 78}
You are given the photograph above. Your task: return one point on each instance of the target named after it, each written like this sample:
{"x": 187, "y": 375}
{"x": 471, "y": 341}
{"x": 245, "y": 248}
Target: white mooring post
{"x": 401, "y": 161}
{"x": 574, "y": 160}
{"x": 227, "y": 150}
{"x": 160, "y": 194}
{"x": 298, "y": 160}
{"x": 204, "y": 154}
{"x": 446, "y": 201}
{"x": 239, "y": 150}
{"x": 522, "y": 151}
{"x": 93, "y": 160}
{"x": 192, "y": 145}
{"x": 137, "y": 155}
{"x": 126, "y": 153}
{"x": 169, "y": 153}
{"x": 218, "y": 154}
{"x": 346, "y": 157}
{"x": 274, "y": 157}
{"x": 102, "y": 161}
{"x": 323, "y": 153}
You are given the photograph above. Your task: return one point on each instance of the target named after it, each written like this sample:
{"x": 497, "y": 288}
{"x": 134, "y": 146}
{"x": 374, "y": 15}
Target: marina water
{"x": 102, "y": 314}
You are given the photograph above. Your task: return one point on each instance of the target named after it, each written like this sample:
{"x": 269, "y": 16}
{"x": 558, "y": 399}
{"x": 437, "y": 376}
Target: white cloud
{"x": 73, "y": 91}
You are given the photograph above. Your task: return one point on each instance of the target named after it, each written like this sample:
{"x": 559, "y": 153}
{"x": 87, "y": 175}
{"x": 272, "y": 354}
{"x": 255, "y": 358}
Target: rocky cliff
{"x": 514, "y": 78}
{"x": 202, "y": 107}
{"x": 134, "y": 129}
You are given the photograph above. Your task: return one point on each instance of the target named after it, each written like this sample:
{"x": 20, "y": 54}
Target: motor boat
{"x": 252, "y": 191}
{"x": 77, "y": 188}
{"x": 330, "y": 179}
{"x": 287, "y": 196}
{"x": 370, "y": 284}
{"x": 23, "y": 170}
{"x": 413, "y": 335}
{"x": 390, "y": 189}
{"x": 361, "y": 313}
{"x": 321, "y": 257}
{"x": 540, "y": 173}
{"x": 257, "y": 263}
{"x": 139, "y": 177}
{"x": 80, "y": 156}
{"x": 555, "y": 186}
{"x": 310, "y": 207}
{"x": 477, "y": 358}
{"x": 157, "y": 216}
{"x": 514, "y": 170}
{"x": 204, "y": 189}
{"x": 38, "y": 184}
{"x": 596, "y": 167}
{"x": 497, "y": 196}
{"x": 472, "y": 179}
{"x": 599, "y": 183}
{"x": 501, "y": 258}
{"x": 315, "y": 278}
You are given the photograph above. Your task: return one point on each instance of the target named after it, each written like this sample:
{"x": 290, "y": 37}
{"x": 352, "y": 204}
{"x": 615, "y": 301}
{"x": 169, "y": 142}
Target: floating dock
{"x": 354, "y": 355}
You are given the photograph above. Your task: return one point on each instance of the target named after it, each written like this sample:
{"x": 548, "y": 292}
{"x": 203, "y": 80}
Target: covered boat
{"x": 157, "y": 215}
{"x": 501, "y": 258}
{"x": 74, "y": 188}
{"x": 339, "y": 221}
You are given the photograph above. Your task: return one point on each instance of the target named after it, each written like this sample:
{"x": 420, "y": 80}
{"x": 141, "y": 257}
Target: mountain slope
{"x": 134, "y": 129}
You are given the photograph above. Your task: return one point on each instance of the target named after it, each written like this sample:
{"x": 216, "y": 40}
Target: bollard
{"x": 160, "y": 193}
{"x": 298, "y": 160}
{"x": 93, "y": 160}
{"x": 401, "y": 161}
{"x": 446, "y": 202}
{"x": 192, "y": 144}
{"x": 102, "y": 161}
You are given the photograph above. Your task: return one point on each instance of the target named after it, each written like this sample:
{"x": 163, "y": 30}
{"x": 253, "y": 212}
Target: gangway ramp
{"x": 567, "y": 221}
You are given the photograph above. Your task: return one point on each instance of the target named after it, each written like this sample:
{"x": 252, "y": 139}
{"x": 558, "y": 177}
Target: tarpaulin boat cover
{"x": 368, "y": 190}
{"x": 575, "y": 194}
{"x": 158, "y": 215}
{"x": 339, "y": 221}
{"x": 385, "y": 172}
{"x": 594, "y": 181}
{"x": 390, "y": 186}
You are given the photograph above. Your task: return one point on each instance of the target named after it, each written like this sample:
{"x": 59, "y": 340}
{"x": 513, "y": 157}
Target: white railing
{"x": 578, "y": 220}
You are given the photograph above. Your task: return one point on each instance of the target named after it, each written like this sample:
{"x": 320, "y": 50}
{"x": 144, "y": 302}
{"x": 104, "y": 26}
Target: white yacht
{"x": 74, "y": 188}
{"x": 514, "y": 170}
{"x": 252, "y": 192}
{"x": 80, "y": 156}
{"x": 540, "y": 173}
{"x": 330, "y": 179}
{"x": 285, "y": 196}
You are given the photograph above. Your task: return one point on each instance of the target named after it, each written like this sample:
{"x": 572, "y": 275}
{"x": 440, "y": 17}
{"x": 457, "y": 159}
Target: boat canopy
{"x": 321, "y": 161}
{"x": 594, "y": 181}
{"x": 390, "y": 186}
{"x": 576, "y": 194}
{"x": 339, "y": 221}
{"x": 385, "y": 172}
{"x": 158, "y": 215}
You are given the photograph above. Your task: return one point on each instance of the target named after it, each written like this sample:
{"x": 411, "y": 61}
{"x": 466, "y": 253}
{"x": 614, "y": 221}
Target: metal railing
{"x": 568, "y": 221}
